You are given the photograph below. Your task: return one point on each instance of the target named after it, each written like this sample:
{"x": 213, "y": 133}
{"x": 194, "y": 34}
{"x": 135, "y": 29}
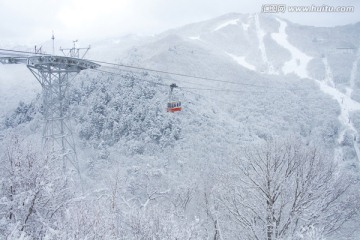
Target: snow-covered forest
{"x": 265, "y": 147}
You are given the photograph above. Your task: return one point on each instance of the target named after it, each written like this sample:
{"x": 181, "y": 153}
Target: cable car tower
{"x": 55, "y": 74}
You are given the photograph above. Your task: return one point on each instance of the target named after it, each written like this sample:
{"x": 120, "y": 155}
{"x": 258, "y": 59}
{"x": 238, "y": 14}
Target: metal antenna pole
{"x": 74, "y": 52}
{"x": 53, "y": 43}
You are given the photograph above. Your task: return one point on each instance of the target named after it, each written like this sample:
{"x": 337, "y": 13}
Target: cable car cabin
{"x": 174, "y": 106}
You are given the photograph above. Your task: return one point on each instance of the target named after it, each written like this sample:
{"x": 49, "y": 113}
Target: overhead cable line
{"x": 189, "y": 76}
{"x": 13, "y": 55}
{"x": 171, "y": 73}
{"x": 192, "y": 88}
{"x": 162, "y": 84}
{"x": 26, "y": 52}
{"x": 165, "y": 85}
{"x": 165, "y": 78}
{"x": 252, "y": 85}
{"x": 112, "y": 73}
{"x": 159, "y": 71}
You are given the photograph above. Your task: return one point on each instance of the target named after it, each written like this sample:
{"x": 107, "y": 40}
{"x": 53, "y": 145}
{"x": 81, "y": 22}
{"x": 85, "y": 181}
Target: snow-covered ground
{"x": 124, "y": 132}
{"x": 194, "y": 37}
{"x": 347, "y": 106}
{"x": 241, "y": 60}
{"x": 346, "y": 103}
{"x": 328, "y": 73}
{"x": 231, "y": 22}
{"x": 354, "y": 70}
{"x": 245, "y": 26}
{"x": 261, "y": 34}
{"x": 299, "y": 61}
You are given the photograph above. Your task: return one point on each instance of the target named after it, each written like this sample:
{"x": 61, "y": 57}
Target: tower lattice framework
{"x": 55, "y": 74}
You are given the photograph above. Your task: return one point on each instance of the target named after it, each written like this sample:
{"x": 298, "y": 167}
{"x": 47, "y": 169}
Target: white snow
{"x": 194, "y": 37}
{"x": 241, "y": 60}
{"x": 299, "y": 61}
{"x": 197, "y": 38}
{"x": 353, "y": 73}
{"x": 347, "y": 106}
{"x": 245, "y": 26}
{"x": 328, "y": 73}
{"x": 231, "y": 22}
{"x": 357, "y": 150}
{"x": 346, "y": 103}
{"x": 261, "y": 34}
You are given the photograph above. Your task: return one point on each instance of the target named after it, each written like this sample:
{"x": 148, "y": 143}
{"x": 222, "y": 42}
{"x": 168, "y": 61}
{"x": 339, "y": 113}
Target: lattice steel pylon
{"x": 55, "y": 74}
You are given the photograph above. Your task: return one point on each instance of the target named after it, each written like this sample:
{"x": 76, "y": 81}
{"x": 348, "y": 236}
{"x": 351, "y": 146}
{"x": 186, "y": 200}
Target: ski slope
{"x": 230, "y": 22}
{"x": 299, "y": 60}
{"x": 241, "y": 61}
{"x": 328, "y": 73}
{"x": 261, "y": 34}
{"x": 354, "y": 70}
{"x": 245, "y": 26}
{"x": 194, "y": 38}
{"x": 347, "y": 106}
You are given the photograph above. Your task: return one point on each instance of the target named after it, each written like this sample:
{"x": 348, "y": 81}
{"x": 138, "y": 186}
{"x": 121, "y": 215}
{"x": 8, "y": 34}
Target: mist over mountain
{"x": 151, "y": 174}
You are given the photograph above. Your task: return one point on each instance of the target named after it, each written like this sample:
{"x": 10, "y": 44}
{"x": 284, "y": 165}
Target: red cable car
{"x": 173, "y": 105}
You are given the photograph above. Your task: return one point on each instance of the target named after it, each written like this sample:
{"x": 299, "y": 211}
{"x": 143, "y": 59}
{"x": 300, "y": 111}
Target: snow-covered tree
{"x": 22, "y": 114}
{"x": 282, "y": 187}
{"x": 33, "y": 191}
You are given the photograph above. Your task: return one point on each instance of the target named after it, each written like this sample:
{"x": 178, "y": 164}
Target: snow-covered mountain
{"x": 261, "y": 77}
{"x": 264, "y": 50}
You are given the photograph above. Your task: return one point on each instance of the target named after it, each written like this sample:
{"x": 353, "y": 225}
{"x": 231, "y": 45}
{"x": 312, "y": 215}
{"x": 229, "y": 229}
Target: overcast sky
{"x": 31, "y": 21}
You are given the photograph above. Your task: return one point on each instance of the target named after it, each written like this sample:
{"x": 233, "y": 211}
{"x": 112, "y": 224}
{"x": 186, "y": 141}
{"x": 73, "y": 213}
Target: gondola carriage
{"x": 173, "y": 105}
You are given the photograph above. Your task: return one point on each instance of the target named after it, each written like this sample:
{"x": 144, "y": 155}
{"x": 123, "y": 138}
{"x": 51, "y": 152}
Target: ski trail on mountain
{"x": 241, "y": 61}
{"x": 231, "y": 22}
{"x": 346, "y": 103}
{"x": 194, "y": 38}
{"x": 298, "y": 65}
{"x": 354, "y": 70}
{"x": 245, "y": 26}
{"x": 347, "y": 106}
{"x": 261, "y": 34}
{"x": 299, "y": 60}
{"x": 352, "y": 85}
{"x": 328, "y": 73}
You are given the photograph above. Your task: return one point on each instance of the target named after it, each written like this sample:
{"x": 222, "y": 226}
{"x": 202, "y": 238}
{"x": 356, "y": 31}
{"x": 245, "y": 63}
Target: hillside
{"x": 255, "y": 79}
